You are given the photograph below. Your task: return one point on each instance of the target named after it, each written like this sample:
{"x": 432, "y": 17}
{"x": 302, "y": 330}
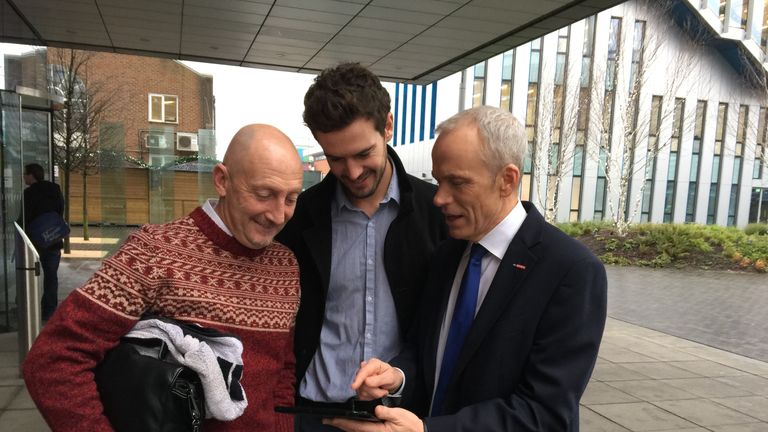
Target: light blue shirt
{"x": 360, "y": 319}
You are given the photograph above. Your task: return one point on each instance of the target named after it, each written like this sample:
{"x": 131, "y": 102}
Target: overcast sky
{"x": 247, "y": 95}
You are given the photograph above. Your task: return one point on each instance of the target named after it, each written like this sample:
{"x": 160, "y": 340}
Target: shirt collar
{"x": 393, "y": 192}
{"x": 497, "y": 241}
{"x": 209, "y": 209}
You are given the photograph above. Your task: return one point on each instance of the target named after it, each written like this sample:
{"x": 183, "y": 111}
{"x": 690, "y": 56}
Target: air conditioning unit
{"x": 186, "y": 141}
{"x": 155, "y": 141}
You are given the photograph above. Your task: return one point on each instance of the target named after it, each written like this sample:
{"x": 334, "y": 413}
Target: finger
{"x": 369, "y": 369}
{"x": 367, "y": 393}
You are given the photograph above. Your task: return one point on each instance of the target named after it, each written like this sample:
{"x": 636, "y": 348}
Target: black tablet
{"x": 327, "y": 412}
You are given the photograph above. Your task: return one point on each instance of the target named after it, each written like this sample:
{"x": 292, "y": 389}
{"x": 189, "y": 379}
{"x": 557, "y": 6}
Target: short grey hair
{"x": 503, "y": 136}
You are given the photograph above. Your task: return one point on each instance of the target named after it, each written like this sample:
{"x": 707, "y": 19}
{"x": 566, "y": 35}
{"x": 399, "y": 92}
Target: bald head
{"x": 258, "y": 184}
{"x": 258, "y": 142}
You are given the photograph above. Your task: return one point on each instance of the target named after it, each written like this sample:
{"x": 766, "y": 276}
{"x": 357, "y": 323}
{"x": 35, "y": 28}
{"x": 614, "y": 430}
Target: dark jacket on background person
{"x": 43, "y": 197}
{"x": 416, "y": 231}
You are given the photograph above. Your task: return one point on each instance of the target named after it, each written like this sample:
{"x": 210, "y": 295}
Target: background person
{"x": 217, "y": 267}
{"x": 523, "y": 357}
{"x": 42, "y": 196}
{"x": 362, "y": 237}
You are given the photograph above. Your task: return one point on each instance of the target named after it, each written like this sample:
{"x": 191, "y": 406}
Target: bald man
{"x": 218, "y": 267}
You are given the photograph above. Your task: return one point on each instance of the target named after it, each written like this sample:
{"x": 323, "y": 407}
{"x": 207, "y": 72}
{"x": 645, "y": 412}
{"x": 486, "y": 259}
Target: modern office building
{"x": 649, "y": 111}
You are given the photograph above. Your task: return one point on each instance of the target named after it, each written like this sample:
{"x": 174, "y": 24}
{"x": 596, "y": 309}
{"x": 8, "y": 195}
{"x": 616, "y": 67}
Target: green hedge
{"x": 663, "y": 245}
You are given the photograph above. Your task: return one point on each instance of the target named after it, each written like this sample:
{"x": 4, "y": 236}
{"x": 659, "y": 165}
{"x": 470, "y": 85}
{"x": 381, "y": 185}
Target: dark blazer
{"x": 532, "y": 347}
{"x": 412, "y": 237}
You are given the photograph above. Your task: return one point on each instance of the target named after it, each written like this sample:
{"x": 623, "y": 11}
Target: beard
{"x": 377, "y": 175}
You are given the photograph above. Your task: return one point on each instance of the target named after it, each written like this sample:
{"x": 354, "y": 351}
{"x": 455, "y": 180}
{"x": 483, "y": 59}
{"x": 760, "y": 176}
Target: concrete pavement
{"x": 682, "y": 351}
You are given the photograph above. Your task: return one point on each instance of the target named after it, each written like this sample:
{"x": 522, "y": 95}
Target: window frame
{"x": 163, "y": 117}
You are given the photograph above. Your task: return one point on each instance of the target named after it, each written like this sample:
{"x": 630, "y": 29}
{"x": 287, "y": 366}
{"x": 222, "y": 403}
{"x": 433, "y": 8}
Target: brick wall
{"x": 128, "y": 80}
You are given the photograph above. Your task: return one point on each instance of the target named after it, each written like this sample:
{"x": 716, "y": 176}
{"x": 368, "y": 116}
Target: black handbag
{"x": 148, "y": 393}
{"x": 47, "y": 229}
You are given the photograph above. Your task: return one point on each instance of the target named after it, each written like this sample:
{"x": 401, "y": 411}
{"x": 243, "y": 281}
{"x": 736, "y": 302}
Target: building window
{"x": 556, "y": 158}
{"x": 693, "y": 183}
{"x": 612, "y": 65}
{"x": 674, "y": 149}
{"x": 722, "y": 114}
{"x": 507, "y": 73}
{"x": 762, "y": 139}
{"x": 163, "y": 108}
{"x": 478, "y": 88}
{"x": 637, "y": 54}
{"x": 738, "y": 158}
{"x": 531, "y": 114}
{"x": 758, "y": 208}
{"x": 650, "y": 158}
{"x": 582, "y": 119}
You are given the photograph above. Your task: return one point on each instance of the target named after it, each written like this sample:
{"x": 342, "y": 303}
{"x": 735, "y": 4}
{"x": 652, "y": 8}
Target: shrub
{"x": 756, "y": 229}
{"x": 676, "y": 245}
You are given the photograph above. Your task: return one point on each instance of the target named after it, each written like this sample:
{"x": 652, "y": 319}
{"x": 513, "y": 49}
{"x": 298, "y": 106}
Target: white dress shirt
{"x": 496, "y": 243}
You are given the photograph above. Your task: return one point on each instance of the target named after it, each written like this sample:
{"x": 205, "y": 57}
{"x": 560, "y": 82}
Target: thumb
{"x": 385, "y": 413}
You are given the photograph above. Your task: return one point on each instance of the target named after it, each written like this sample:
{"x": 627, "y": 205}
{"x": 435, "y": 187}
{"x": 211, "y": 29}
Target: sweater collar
{"x": 219, "y": 237}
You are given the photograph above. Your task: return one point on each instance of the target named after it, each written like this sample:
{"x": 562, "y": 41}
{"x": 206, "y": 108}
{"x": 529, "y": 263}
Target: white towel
{"x": 216, "y": 357}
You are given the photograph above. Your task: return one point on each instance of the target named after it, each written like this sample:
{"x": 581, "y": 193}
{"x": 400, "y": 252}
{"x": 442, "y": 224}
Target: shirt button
{"x": 370, "y": 298}
{"x": 370, "y": 261}
{"x": 368, "y": 335}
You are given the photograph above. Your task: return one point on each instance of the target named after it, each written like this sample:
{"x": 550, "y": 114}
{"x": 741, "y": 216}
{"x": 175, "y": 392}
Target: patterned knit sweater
{"x": 188, "y": 269}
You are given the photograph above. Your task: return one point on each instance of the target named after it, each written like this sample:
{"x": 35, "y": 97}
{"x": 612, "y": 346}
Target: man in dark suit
{"x": 42, "y": 196}
{"x": 540, "y": 302}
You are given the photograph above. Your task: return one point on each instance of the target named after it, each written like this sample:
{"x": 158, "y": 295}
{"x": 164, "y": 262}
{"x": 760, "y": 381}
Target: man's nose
{"x": 354, "y": 170}
{"x": 278, "y": 213}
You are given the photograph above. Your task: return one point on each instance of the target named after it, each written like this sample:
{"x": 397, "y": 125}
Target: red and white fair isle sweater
{"x": 188, "y": 269}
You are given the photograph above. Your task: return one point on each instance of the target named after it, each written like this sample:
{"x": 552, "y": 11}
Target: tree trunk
{"x": 65, "y": 183}
{"x": 85, "y": 205}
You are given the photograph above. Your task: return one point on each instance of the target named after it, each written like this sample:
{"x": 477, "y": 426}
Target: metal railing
{"x": 28, "y": 274}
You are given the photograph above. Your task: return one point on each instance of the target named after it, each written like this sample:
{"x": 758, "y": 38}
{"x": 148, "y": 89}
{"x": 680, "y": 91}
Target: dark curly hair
{"x": 342, "y": 94}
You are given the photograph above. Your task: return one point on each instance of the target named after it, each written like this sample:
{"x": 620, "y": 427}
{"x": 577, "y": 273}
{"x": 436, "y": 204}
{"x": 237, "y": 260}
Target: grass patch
{"x": 677, "y": 246}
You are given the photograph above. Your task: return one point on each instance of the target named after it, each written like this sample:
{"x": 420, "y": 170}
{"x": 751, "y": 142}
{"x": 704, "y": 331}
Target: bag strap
{"x": 149, "y": 343}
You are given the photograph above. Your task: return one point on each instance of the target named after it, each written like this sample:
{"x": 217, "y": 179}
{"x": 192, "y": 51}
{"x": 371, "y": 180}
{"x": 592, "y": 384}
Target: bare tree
{"x": 622, "y": 140}
{"x": 76, "y": 121}
{"x": 555, "y": 150}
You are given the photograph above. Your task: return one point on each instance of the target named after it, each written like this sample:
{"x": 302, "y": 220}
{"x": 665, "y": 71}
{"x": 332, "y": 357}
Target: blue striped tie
{"x": 463, "y": 315}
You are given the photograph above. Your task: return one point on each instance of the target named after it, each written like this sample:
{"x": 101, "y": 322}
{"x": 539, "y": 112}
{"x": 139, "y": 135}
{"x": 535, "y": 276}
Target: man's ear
{"x": 510, "y": 179}
{"x": 220, "y": 179}
{"x": 389, "y": 127}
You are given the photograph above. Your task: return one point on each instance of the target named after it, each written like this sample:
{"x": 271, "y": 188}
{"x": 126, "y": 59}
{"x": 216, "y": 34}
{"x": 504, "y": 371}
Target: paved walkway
{"x": 681, "y": 352}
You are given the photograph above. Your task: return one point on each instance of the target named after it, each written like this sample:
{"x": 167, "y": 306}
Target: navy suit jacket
{"x": 532, "y": 346}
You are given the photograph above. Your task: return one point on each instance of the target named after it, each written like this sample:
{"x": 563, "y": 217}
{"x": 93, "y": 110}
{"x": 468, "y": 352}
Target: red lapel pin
{"x": 520, "y": 266}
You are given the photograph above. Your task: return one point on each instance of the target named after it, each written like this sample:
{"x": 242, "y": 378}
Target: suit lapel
{"x": 441, "y": 294}
{"x": 517, "y": 262}
{"x": 318, "y": 236}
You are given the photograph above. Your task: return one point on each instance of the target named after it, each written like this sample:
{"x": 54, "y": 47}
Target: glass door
{"x": 11, "y": 191}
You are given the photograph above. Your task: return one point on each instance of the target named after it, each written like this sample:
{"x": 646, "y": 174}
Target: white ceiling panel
{"x": 303, "y": 25}
{"x": 288, "y": 43}
{"x": 329, "y": 6}
{"x": 403, "y": 15}
{"x": 214, "y": 15}
{"x": 409, "y": 40}
{"x": 240, "y": 6}
{"x": 309, "y": 15}
{"x": 429, "y": 6}
{"x": 361, "y": 32}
